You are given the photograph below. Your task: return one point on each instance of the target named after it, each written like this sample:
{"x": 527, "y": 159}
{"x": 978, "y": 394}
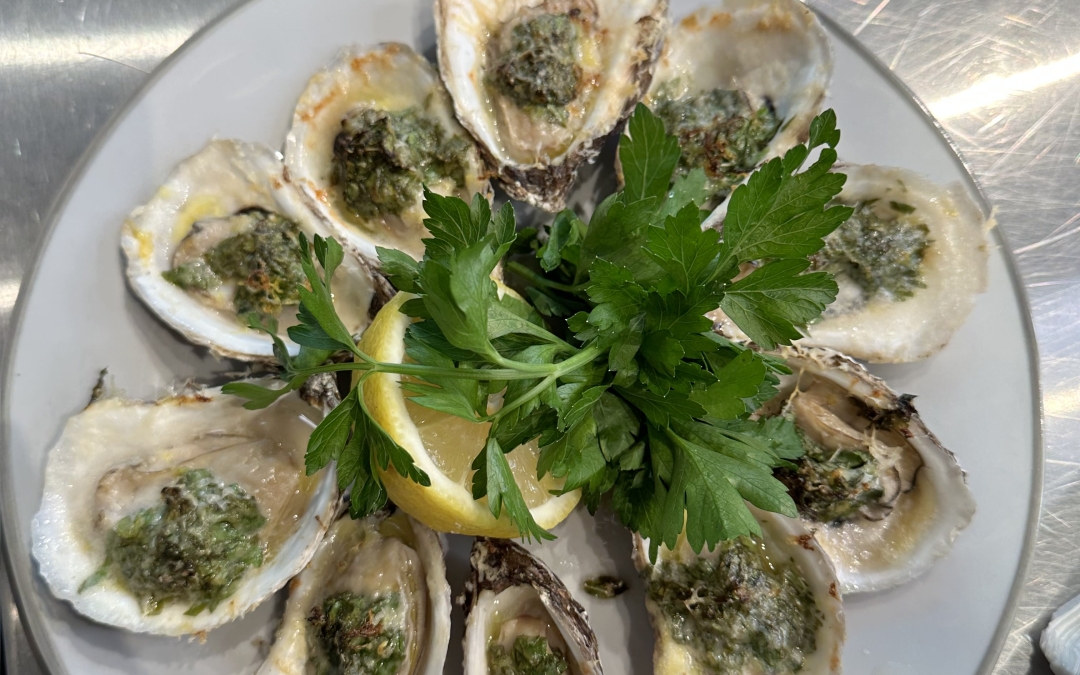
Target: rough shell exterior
{"x": 498, "y": 564}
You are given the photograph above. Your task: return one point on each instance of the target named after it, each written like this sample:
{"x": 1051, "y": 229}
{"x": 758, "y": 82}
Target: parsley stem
{"x": 534, "y": 278}
{"x": 523, "y": 399}
{"x": 497, "y": 375}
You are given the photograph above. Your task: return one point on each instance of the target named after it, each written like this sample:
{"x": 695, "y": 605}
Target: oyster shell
{"x": 745, "y": 581}
{"x": 385, "y": 558}
{"x": 229, "y": 188}
{"x": 217, "y": 491}
{"x": 388, "y": 104}
{"x": 540, "y": 84}
{"x": 1060, "y": 640}
{"x": 739, "y": 83}
{"x": 886, "y": 499}
{"x": 513, "y": 603}
{"x": 882, "y": 326}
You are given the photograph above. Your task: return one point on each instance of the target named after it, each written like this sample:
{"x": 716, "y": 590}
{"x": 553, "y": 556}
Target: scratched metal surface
{"x": 1003, "y": 77}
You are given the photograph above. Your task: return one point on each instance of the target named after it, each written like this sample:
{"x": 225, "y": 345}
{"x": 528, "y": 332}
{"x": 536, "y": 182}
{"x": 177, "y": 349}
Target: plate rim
{"x": 21, "y": 573}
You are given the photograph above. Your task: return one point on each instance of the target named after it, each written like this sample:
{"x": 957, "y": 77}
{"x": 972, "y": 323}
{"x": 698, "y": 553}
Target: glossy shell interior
{"x": 872, "y": 555}
{"x": 390, "y": 76}
{"x": 537, "y": 162}
{"x": 261, "y": 450}
{"x": 784, "y": 538}
{"x": 221, "y": 179}
{"x": 336, "y": 566}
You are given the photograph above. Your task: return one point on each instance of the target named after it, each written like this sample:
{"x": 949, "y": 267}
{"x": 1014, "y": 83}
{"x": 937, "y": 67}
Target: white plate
{"x": 240, "y": 79}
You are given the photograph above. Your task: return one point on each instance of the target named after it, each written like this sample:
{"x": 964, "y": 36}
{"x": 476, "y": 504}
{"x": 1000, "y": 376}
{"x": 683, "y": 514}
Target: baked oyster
{"x": 176, "y": 516}
{"x": 739, "y": 83}
{"x": 373, "y": 599}
{"x": 751, "y": 605}
{"x": 368, "y": 134}
{"x": 217, "y": 243}
{"x": 540, "y": 84}
{"x": 521, "y": 618}
{"x": 909, "y": 264}
{"x": 884, "y": 498}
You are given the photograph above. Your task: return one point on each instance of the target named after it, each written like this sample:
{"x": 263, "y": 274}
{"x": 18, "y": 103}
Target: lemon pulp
{"x": 453, "y": 442}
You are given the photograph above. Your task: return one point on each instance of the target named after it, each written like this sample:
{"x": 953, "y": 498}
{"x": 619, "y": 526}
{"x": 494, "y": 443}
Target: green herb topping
{"x": 832, "y": 485}
{"x": 262, "y": 260}
{"x": 353, "y": 637}
{"x": 742, "y": 613}
{"x": 537, "y": 68}
{"x": 721, "y": 133}
{"x": 880, "y": 255}
{"x": 192, "y": 548}
{"x": 382, "y": 159}
{"x": 614, "y": 368}
{"x": 530, "y": 655}
{"x": 604, "y": 587}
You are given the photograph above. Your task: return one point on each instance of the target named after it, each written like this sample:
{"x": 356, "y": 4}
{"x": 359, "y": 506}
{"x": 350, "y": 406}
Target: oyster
{"x": 1060, "y": 640}
{"x": 751, "y": 605}
{"x": 369, "y": 132}
{"x": 739, "y": 83}
{"x": 540, "y": 84}
{"x": 909, "y": 264}
{"x": 518, "y": 612}
{"x": 884, "y": 498}
{"x": 176, "y": 516}
{"x": 374, "y": 598}
{"x": 218, "y": 242}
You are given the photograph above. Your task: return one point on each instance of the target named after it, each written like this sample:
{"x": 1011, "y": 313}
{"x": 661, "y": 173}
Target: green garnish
{"x": 530, "y": 655}
{"x": 880, "y": 255}
{"x": 192, "y": 548}
{"x": 353, "y": 638}
{"x": 721, "y": 133}
{"x": 538, "y": 70}
{"x": 262, "y": 261}
{"x": 632, "y": 393}
{"x": 382, "y": 159}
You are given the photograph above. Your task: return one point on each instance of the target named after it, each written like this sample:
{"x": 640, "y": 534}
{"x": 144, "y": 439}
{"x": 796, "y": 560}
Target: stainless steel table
{"x": 1002, "y": 76}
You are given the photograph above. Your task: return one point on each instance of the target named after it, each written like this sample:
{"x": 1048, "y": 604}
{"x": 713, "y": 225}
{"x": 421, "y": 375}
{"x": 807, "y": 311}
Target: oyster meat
{"x": 739, "y": 83}
{"x": 909, "y": 263}
{"x": 518, "y": 615}
{"x": 884, "y": 498}
{"x": 373, "y": 599}
{"x": 540, "y": 84}
{"x": 751, "y": 605}
{"x": 218, "y": 243}
{"x": 368, "y": 134}
{"x": 176, "y": 516}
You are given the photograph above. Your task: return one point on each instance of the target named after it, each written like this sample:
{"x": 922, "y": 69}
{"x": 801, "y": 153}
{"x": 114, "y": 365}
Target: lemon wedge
{"x": 444, "y": 447}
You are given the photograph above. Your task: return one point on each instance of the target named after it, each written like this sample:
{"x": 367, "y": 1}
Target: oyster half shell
{"x": 500, "y": 60}
{"x": 883, "y": 328}
{"x": 228, "y": 188}
{"x": 1060, "y": 640}
{"x": 380, "y": 82}
{"x": 388, "y": 558}
{"x": 722, "y": 66}
{"x": 916, "y": 499}
{"x": 118, "y": 461}
{"x": 736, "y": 584}
{"x": 512, "y": 598}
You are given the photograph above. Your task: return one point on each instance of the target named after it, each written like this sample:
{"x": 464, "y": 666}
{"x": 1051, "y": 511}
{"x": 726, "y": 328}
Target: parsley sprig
{"x": 612, "y": 364}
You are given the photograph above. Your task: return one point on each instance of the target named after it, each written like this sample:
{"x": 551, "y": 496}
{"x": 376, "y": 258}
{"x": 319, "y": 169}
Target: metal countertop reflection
{"x": 1002, "y": 77}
